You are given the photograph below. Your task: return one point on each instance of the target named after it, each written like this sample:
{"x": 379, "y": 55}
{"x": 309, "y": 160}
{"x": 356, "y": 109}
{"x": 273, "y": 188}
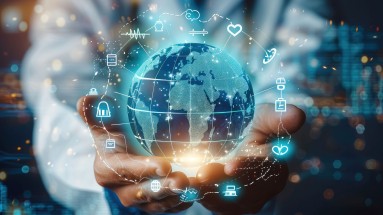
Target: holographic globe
{"x": 190, "y": 103}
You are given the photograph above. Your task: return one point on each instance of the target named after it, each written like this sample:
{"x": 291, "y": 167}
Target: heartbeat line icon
{"x": 135, "y": 34}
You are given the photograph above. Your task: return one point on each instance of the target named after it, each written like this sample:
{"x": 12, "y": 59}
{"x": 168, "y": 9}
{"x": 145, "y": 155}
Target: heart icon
{"x": 234, "y": 29}
{"x": 280, "y": 150}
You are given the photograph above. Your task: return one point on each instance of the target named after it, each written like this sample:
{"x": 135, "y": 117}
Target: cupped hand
{"x": 127, "y": 174}
{"x": 258, "y": 175}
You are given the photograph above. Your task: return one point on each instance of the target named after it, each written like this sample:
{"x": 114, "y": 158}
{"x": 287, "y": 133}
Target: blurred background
{"x": 338, "y": 166}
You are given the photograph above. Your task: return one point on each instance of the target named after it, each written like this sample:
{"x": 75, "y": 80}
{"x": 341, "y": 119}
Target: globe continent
{"x": 191, "y": 103}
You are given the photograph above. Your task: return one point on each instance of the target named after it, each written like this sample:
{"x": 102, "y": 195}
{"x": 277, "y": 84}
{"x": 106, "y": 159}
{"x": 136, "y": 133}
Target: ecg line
{"x": 135, "y": 34}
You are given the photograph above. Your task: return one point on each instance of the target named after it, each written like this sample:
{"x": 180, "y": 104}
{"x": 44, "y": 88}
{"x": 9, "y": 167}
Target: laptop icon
{"x": 230, "y": 191}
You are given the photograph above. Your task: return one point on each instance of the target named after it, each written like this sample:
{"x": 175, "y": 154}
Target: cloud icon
{"x": 192, "y": 14}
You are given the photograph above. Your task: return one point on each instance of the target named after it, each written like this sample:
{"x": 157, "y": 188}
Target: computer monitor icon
{"x": 230, "y": 190}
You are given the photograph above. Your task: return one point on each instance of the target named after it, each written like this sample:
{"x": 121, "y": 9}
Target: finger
{"x": 211, "y": 173}
{"x": 170, "y": 204}
{"x": 267, "y": 123}
{"x": 124, "y": 168}
{"x": 105, "y": 118}
{"x": 142, "y": 193}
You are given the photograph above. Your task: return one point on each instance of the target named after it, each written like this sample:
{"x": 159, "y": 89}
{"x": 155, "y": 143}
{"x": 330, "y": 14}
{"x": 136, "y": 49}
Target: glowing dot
{"x": 378, "y": 68}
{"x": 3, "y": 175}
{"x": 295, "y": 178}
{"x": 337, "y": 164}
{"x": 60, "y": 22}
{"x": 44, "y": 18}
{"x": 371, "y": 164}
{"x": 23, "y": 26}
{"x": 14, "y": 68}
{"x": 101, "y": 47}
{"x": 364, "y": 59}
{"x": 72, "y": 17}
{"x": 360, "y": 129}
{"x": 359, "y": 144}
{"x": 25, "y": 169}
{"x": 38, "y": 8}
{"x": 56, "y": 65}
{"x": 358, "y": 176}
{"x": 328, "y": 194}
{"x": 18, "y": 148}
{"x": 27, "y": 142}
{"x": 84, "y": 41}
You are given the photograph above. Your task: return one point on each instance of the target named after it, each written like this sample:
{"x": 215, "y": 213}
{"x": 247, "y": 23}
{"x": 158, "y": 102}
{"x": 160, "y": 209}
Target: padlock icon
{"x": 93, "y": 92}
{"x": 103, "y": 110}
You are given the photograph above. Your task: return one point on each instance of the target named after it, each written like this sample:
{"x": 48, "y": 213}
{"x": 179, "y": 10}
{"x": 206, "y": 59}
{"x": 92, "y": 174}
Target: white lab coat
{"x": 58, "y": 69}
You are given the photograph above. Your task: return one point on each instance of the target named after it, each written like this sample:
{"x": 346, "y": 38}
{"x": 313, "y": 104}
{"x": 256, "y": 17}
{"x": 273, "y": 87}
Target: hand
{"x": 260, "y": 177}
{"x": 125, "y": 173}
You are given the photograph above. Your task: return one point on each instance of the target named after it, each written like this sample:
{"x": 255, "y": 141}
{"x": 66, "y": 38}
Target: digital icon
{"x": 155, "y": 186}
{"x": 103, "y": 109}
{"x": 192, "y": 14}
{"x": 111, "y": 60}
{"x": 280, "y": 150}
{"x": 234, "y": 29}
{"x": 136, "y": 34}
{"x": 230, "y": 191}
{"x": 110, "y": 143}
{"x": 203, "y": 32}
{"x": 93, "y": 92}
{"x": 159, "y": 26}
{"x": 280, "y": 105}
{"x": 269, "y": 55}
{"x": 189, "y": 195}
{"x": 281, "y": 82}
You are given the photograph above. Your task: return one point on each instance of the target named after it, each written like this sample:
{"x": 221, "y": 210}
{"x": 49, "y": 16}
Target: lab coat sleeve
{"x": 57, "y": 71}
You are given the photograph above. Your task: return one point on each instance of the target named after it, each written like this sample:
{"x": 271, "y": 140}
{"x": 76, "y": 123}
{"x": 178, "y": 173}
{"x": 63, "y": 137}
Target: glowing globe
{"x": 190, "y": 103}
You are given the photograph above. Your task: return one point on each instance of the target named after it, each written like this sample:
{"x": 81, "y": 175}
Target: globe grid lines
{"x": 280, "y": 127}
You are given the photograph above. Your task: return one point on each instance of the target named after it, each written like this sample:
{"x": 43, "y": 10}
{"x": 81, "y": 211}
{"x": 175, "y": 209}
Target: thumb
{"x": 268, "y": 123}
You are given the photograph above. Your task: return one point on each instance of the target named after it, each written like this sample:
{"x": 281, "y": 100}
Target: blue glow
{"x": 282, "y": 148}
{"x": 25, "y": 169}
{"x": 229, "y": 190}
{"x": 14, "y": 68}
{"x": 189, "y": 195}
{"x": 358, "y": 177}
{"x": 337, "y": 164}
{"x": 337, "y": 175}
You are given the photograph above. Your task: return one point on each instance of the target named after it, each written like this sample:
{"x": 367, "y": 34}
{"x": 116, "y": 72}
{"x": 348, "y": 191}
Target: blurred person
{"x": 58, "y": 70}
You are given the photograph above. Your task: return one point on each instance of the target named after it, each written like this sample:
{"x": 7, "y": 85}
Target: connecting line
{"x": 260, "y": 92}
{"x": 214, "y": 15}
{"x": 221, "y": 50}
{"x": 143, "y": 48}
{"x": 107, "y": 84}
{"x": 122, "y": 94}
{"x": 124, "y": 45}
{"x": 255, "y": 41}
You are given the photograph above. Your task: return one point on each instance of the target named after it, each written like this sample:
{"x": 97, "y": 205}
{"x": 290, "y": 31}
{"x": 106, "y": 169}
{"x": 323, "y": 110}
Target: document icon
{"x": 280, "y": 105}
{"x": 111, "y": 60}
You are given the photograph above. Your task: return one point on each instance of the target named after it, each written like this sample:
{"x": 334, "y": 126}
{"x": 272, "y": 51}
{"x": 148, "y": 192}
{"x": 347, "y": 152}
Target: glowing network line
{"x": 136, "y": 34}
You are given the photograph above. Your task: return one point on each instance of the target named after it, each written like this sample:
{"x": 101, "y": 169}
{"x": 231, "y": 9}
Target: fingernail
{"x": 229, "y": 169}
{"x": 202, "y": 178}
{"x": 174, "y": 188}
{"x": 160, "y": 172}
